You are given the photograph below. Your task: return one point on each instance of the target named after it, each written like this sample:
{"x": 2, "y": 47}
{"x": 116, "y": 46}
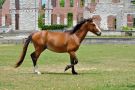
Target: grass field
{"x": 100, "y": 67}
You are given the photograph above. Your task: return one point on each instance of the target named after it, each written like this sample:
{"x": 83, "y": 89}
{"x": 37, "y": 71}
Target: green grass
{"x": 100, "y": 67}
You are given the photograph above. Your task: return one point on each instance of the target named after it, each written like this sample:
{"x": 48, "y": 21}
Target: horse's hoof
{"x": 74, "y": 73}
{"x": 38, "y": 73}
{"x": 67, "y": 67}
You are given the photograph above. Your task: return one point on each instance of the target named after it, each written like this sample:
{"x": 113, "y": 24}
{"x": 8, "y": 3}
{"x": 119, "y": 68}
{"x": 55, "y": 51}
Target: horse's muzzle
{"x": 98, "y": 33}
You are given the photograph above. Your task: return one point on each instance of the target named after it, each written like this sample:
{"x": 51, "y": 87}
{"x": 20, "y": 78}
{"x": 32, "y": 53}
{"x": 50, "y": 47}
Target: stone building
{"x": 111, "y": 14}
{"x": 24, "y": 14}
{"x": 56, "y": 13}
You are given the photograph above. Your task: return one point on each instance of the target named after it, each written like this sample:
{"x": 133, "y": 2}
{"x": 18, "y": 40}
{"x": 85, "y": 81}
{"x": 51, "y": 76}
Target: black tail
{"x": 24, "y": 51}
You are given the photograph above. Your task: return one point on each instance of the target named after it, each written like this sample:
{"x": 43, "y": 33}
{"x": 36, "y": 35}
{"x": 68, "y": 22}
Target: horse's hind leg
{"x": 34, "y": 57}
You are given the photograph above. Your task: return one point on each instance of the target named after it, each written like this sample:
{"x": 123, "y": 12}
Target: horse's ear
{"x": 93, "y": 18}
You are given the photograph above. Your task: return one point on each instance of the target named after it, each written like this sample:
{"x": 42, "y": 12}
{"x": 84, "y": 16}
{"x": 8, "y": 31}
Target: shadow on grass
{"x": 131, "y": 86}
{"x": 51, "y": 73}
{"x": 57, "y": 73}
{"x": 64, "y": 73}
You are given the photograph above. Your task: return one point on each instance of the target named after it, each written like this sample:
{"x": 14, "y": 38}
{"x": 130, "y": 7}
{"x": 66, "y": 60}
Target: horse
{"x": 59, "y": 42}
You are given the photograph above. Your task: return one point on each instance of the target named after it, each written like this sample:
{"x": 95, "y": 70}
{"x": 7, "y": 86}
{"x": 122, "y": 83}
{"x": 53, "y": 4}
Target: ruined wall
{"x": 55, "y": 14}
{"x": 27, "y": 15}
{"x": 111, "y": 12}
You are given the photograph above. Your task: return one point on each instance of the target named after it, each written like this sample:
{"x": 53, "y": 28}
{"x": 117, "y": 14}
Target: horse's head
{"x": 92, "y": 27}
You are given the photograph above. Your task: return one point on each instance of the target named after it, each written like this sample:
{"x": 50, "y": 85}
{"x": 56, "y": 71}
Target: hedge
{"x": 53, "y": 27}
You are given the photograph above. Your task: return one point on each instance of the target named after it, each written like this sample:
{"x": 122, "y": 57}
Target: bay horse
{"x": 60, "y": 42}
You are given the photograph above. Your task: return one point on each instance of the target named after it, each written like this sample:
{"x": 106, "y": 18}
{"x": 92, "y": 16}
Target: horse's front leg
{"x": 74, "y": 61}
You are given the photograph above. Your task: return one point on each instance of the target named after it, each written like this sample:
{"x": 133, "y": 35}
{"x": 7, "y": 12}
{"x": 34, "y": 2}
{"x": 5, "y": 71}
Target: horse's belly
{"x": 57, "y": 49}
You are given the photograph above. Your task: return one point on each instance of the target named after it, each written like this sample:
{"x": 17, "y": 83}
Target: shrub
{"x": 126, "y": 28}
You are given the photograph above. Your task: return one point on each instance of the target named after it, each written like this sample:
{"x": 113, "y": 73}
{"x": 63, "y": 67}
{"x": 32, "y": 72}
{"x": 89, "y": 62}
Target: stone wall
{"x": 28, "y": 14}
{"x": 112, "y": 13}
{"x": 55, "y": 14}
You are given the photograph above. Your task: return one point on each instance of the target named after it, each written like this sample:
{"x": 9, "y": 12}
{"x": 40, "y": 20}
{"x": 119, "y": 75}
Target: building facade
{"x": 111, "y": 14}
{"x": 58, "y": 11}
{"x": 108, "y": 14}
{"x": 24, "y": 14}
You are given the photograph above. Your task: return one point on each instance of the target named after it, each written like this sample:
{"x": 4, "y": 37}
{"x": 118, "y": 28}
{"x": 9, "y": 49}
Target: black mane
{"x": 77, "y": 27}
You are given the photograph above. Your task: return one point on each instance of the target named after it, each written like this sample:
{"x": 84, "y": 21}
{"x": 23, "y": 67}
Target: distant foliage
{"x": 126, "y": 28}
{"x": 133, "y": 1}
{"x": 43, "y": 6}
{"x": 40, "y": 21}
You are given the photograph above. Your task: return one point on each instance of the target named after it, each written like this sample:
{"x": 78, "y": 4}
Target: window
{"x": 81, "y": 3}
{"x": 134, "y": 23}
{"x": 53, "y": 2}
{"x": 70, "y": 19}
{"x": 17, "y": 21}
{"x": 71, "y": 3}
{"x": 112, "y": 22}
{"x": 93, "y": 1}
{"x": 115, "y": 1}
{"x": 17, "y": 6}
{"x": 62, "y": 3}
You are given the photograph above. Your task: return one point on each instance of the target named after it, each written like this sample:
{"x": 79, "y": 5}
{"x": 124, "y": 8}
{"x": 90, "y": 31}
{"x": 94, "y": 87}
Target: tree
{"x": 43, "y": 6}
{"x": 1, "y": 3}
{"x": 40, "y": 21}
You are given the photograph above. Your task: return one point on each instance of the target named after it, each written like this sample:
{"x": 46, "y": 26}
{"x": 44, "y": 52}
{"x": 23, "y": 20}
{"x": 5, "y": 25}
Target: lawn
{"x": 100, "y": 67}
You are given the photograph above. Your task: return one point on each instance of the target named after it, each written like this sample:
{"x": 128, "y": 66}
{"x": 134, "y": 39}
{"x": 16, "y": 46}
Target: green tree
{"x": 43, "y": 6}
{"x": 1, "y": 3}
{"x": 40, "y": 21}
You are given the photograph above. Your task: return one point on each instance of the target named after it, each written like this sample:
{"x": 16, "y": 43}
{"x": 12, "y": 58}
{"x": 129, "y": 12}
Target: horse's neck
{"x": 81, "y": 33}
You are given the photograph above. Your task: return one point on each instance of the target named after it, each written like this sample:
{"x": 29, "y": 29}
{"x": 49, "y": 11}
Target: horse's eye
{"x": 93, "y": 25}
